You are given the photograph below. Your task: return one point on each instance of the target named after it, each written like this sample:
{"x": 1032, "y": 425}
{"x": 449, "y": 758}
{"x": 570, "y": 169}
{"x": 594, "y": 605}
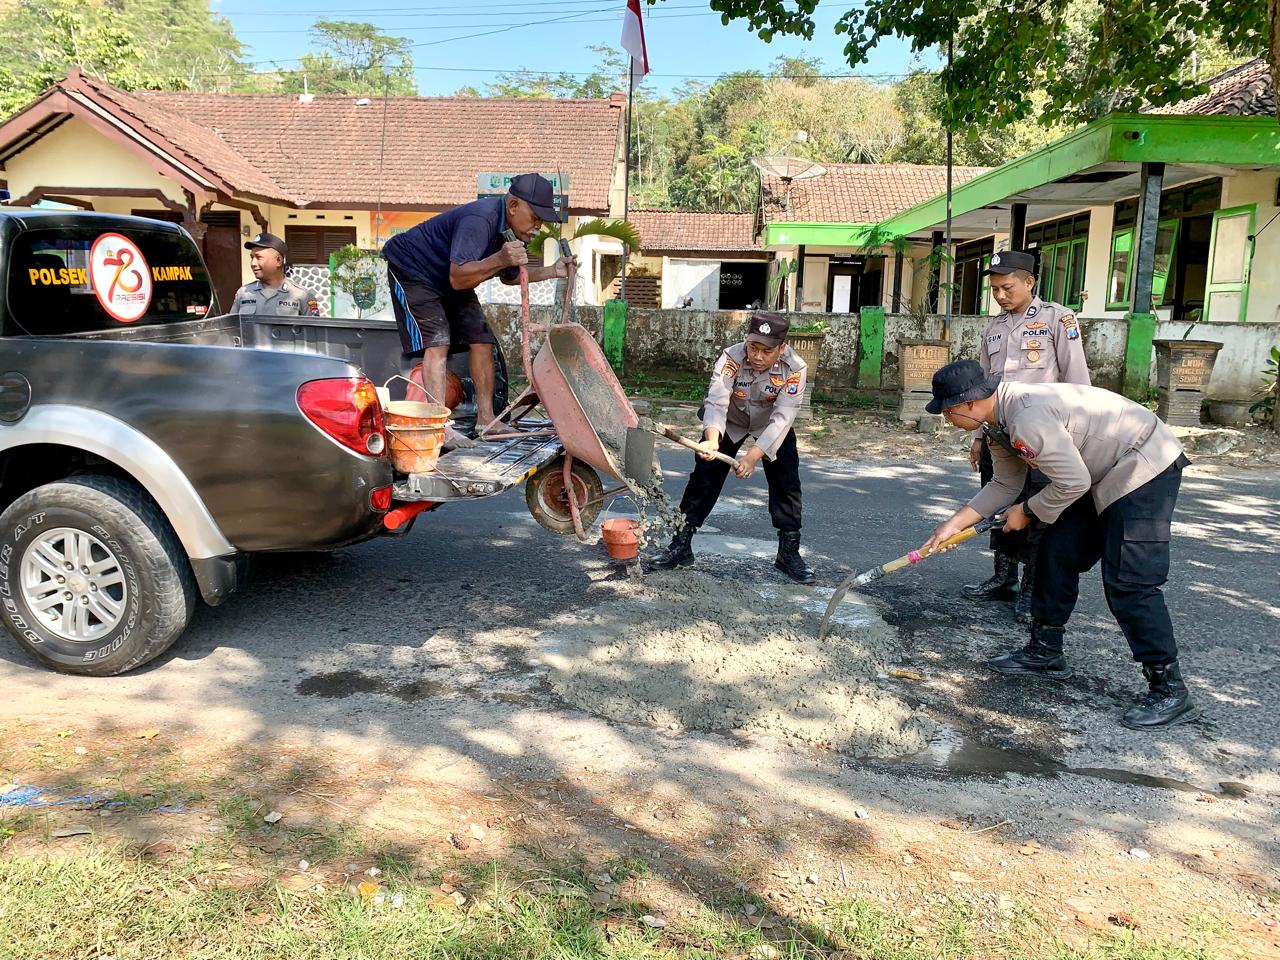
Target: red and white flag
{"x": 633, "y": 42}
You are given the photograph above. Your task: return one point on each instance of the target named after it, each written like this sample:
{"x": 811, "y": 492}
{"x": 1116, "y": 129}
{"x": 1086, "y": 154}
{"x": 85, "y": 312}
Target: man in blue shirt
{"x": 434, "y": 268}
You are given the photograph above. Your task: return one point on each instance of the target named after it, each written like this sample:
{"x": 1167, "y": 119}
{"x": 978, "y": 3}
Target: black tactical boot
{"x": 1022, "y": 606}
{"x": 1165, "y": 704}
{"x": 789, "y": 560}
{"x": 1001, "y": 585}
{"x": 679, "y": 552}
{"x": 1041, "y": 657}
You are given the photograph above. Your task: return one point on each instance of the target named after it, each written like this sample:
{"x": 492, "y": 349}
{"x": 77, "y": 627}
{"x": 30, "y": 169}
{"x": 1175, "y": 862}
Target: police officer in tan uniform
{"x": 272, "y": 294}
{"x": 1114, "y": 470}
{"x": 755, "y": 390}
{"x": 1031, "y": 341}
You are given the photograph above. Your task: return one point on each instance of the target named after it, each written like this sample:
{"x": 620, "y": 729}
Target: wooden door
{"x": 223, "y": 255}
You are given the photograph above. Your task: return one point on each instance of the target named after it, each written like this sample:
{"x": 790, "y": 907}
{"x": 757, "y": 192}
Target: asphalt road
{"x": 426, "y": 647}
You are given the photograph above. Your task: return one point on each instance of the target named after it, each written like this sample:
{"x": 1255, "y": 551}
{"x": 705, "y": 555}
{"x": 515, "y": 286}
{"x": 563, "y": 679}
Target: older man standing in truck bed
{"x": 1031, "y": 341}
{"x": 434, "y": 269}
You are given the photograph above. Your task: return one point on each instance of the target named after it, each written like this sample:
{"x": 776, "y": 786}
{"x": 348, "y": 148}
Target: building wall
{"x": 1264, "y": 280}
{"x": 76, "y": 155}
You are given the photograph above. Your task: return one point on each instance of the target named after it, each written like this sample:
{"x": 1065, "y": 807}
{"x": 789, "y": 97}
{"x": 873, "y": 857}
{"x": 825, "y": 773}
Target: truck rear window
{"x": 82, "y": 279}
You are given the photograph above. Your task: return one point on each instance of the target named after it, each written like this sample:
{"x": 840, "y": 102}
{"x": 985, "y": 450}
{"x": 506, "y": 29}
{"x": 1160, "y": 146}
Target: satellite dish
{"x": 788, "y": 168}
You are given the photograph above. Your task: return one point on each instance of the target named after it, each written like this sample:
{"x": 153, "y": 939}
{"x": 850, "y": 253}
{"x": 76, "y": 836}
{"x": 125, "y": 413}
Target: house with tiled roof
{"x": 320, "y": 171}
{"x": 1146, "y": 223}
{"x": 822, "y": 225}
{"x": 701, "y": 260}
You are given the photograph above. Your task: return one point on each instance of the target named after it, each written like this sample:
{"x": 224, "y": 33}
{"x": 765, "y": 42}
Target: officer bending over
{"x": 1114, "y": 470}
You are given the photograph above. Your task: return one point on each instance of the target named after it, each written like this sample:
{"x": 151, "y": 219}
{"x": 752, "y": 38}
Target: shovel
{"x": 909, "y": 559}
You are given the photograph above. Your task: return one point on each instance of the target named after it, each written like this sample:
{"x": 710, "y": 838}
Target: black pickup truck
{"x": 149, "y": 445}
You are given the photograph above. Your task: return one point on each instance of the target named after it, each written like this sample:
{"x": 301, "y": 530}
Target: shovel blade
{"x": 637, "y": 456}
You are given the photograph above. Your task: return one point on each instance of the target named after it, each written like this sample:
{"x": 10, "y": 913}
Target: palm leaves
{"x": 619, "y": 230}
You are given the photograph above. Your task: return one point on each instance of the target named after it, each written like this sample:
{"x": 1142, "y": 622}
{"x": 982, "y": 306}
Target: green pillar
{"x": 615, "y": 332}
{"x": 870, "y": 346}
{"x": 1137, "y": 354}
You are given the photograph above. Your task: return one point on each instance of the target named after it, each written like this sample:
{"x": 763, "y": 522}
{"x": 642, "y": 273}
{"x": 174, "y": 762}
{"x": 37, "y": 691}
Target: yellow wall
{"x": 76, "y": 155}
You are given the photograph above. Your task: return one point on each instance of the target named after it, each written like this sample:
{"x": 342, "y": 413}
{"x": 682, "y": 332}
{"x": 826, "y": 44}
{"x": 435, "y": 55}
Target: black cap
{"x": 768, "y": 328}
{"x": 538, "y": 193}
{"x": 1007, "y": 261}
{"x": 960, "y": 382}
{"x": 270, "y": 241}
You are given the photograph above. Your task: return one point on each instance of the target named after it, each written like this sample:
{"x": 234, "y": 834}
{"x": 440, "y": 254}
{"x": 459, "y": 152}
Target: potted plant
{"x": 355, "y": 272}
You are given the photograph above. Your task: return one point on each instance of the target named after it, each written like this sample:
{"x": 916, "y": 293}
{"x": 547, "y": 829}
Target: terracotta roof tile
{"x": 330, "y": 149}
{"x": 1243, "y": 91}
{"x": 690, "y": 230}
{"x": 857, "y": 192}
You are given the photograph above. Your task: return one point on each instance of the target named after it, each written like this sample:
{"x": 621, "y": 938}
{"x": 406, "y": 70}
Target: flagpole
{"x": 626, "y": 180}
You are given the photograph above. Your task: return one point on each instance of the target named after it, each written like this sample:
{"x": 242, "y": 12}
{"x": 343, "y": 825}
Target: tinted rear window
{"x": 81, "y": 279}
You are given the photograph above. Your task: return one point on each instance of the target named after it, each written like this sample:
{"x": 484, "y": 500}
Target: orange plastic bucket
{"x": 621, "y": 538}
{"x": 416, "y": 432}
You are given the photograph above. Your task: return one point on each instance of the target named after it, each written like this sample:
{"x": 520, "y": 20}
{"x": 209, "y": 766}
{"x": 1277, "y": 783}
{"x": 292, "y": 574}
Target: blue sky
{"x": 685, "y": 38}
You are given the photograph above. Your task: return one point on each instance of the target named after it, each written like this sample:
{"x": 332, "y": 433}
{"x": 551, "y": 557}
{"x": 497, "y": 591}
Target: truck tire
{"x": 134, "y": 600}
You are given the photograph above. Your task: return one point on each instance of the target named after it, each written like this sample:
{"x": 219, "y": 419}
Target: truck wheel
{"x": 544, "y": 494}
{"x": 92, "y": 578}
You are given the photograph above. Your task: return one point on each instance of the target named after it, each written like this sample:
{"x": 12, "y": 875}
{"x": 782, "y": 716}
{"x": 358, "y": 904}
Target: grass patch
{"x": 103, "y": 900}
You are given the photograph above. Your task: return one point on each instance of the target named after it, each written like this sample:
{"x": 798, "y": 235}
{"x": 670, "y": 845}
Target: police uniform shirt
{"x": 1082, "y": 438}
{"x": 741, "y": 401}
{"x": 287, "y": 300}
{"x": 1042, "y": 345}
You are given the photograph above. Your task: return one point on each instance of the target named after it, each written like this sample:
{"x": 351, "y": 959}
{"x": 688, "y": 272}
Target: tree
{"x": 608, "y": 75}
{"x": 354, "y": 58}
{"x": 174, "y": 44}
{"x": 1131, "y": 53}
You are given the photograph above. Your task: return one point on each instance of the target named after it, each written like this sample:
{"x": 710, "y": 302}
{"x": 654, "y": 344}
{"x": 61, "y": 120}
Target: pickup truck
{"x": 149, "y": 446}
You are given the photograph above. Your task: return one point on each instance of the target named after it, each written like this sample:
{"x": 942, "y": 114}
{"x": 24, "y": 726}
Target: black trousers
{"x": 783, "y": 473}
{"x": 1022, "y": 545}
{"x": 1131, "y": 538}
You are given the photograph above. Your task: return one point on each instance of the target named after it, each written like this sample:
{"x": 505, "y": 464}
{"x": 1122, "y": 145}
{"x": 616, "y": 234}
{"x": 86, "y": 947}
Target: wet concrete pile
{"x": 692, "y": 652}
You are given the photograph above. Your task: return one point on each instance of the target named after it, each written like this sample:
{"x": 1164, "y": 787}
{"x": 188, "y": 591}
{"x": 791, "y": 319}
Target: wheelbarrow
{"x": 589, "y": 413}
{"x": 589, "y": 432}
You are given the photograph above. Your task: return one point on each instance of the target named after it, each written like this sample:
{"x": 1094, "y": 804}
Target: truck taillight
{"x": 346, "y": 409}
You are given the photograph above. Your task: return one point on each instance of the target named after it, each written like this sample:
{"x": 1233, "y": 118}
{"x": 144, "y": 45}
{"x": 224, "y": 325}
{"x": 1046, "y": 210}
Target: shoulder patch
{"x": 730, "y": 368}
{"x": 1069, "y": 324}
{"x": 793, "y": 384}
{"x": 1025, "y": 452}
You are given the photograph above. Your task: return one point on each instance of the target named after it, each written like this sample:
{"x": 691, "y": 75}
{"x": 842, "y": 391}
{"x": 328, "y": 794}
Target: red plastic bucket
{"x": 621, "y": 538}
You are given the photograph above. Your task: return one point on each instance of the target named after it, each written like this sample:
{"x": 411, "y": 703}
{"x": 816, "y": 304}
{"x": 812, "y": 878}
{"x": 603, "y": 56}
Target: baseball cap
{"x": 270, "y": 241}
{"x": 960, "y": 382}
{"x": 1008, "y": 261}
{"x": 537, "y": 192}
{"x": 768, "y": 328}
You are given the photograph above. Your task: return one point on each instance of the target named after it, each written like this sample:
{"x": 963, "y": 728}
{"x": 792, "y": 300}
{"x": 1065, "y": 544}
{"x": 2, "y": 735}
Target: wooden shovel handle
{"x": 670, "y": 434}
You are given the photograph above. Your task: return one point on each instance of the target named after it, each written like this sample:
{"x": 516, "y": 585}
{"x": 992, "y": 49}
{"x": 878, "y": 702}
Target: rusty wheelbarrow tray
{"x": 586, "y": 405}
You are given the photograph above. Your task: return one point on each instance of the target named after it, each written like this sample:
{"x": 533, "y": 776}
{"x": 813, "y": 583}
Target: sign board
{"x": 493, "y": 184}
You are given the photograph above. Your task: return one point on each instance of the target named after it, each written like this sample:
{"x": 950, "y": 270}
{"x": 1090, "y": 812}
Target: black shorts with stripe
{"x": 427, "y": 318}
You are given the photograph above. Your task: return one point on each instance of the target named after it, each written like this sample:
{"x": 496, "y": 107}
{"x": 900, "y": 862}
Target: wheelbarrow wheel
{"x": 545, "y": 495}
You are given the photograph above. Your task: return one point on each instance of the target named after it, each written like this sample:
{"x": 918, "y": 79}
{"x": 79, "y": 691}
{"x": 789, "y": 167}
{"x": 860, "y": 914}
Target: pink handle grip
{"x": 914, "y": 557}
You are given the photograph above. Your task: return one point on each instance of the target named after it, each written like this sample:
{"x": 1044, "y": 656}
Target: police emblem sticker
{"x": 995, "y": 260}
{"x": 765, "y": 328}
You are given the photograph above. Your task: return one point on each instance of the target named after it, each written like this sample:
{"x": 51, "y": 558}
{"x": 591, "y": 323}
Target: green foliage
{"x": 1264, "y": 409}
{"x": 353, "y": 58}
{"x": 620, "y": 230}
{"x": 134, "y": 44}
{"x": 1086, "y": 56}
{"x": 355, "y": 273}
{"x": 784, "y": 268}
{"x": 608, "y": 75}
{"x": 812, "y": 326}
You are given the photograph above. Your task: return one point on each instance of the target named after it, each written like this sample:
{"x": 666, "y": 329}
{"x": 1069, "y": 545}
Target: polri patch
{"x": 730, "y": 368}
{"x": 1025, "y": 452}
{"x": 1070, "y": 324}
